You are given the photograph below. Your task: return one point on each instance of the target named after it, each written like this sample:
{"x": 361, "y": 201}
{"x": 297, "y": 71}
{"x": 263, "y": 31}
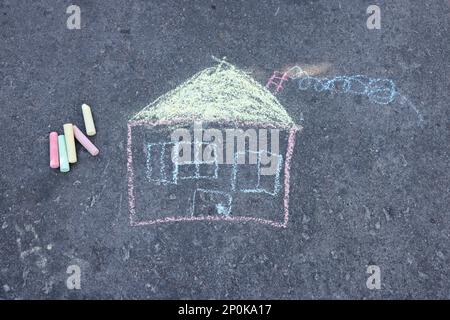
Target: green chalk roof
{"x": 220, "y": 93}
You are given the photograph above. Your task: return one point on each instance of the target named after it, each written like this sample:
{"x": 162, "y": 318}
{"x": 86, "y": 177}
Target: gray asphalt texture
{"x": 370, "y": 182}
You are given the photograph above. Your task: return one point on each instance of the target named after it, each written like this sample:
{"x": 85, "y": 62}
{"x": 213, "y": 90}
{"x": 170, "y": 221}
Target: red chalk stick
{"x": 54, "y": 153}
{"x": 85, "y": 142}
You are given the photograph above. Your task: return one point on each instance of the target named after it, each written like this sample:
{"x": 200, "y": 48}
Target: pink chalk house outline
{"x": 287, "y": 167}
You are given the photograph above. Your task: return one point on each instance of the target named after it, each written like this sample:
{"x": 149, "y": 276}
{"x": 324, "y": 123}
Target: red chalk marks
{"x": 287, "y": 173}
{"x": 275, "y": 83}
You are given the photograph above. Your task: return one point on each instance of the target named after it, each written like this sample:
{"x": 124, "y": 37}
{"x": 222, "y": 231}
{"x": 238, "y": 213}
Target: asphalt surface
{"x": 369, "y": 181}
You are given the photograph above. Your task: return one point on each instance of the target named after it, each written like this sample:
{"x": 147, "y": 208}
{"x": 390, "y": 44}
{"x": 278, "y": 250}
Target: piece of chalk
{"x": 54, "y": 154}
{"x": 85, "y": 142}
{"x": 70, "y": 143}
{"x": 88, "y": 120}
{"x": 63, "y": 161}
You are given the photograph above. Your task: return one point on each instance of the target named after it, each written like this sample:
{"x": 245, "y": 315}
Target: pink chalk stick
{"x": 85, "y": 142}
{"x": 54, "y": 153}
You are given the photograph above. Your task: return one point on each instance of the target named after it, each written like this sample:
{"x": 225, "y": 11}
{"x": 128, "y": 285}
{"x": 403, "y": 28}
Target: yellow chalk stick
{"x": 70, "y": 143}
{"x": 88, "y": 120}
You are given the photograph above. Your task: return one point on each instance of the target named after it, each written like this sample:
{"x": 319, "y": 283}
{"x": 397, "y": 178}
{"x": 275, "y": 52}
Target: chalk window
{"x": 159, "y": 168}
{"x": 201, "y": 165}
{"x": 247, "y": 178}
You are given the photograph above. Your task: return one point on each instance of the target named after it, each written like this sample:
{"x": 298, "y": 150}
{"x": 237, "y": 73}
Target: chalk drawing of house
{"x": 162, "y": 189}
